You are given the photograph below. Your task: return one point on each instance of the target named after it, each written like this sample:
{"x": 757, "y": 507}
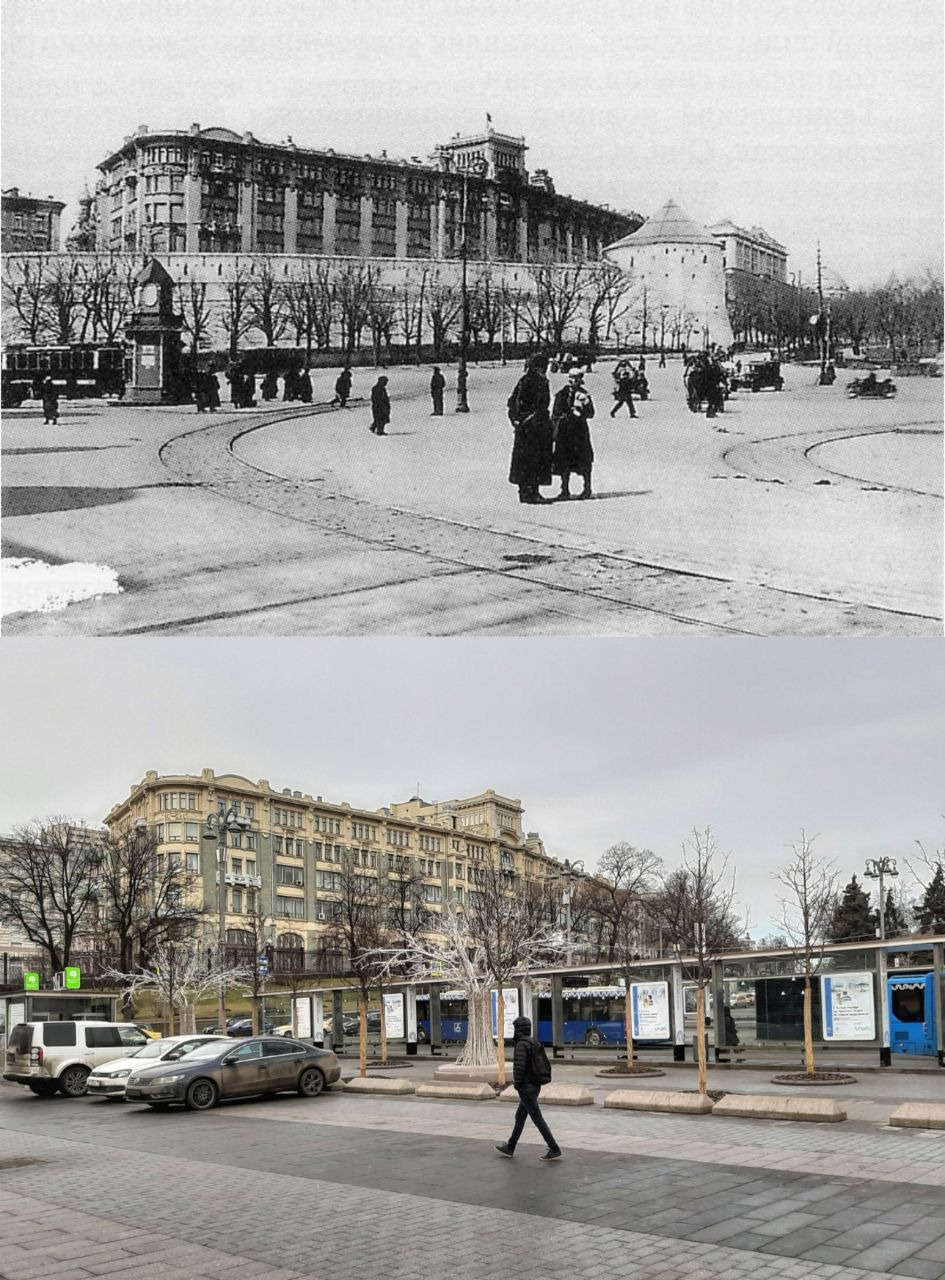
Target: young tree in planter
{"x": 627, "y": 874}
{"x": 697, "y": 904}
{"x": 48, "y": 876}
{"x": 806, "y": 912}
{"x": 357, "y": 931}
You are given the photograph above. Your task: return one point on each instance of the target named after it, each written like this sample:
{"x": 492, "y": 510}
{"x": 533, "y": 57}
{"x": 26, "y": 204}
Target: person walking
{"x": 623, "y": 391}
{"x": 380, "y": 407}
{"x": 530, "y": 1070}
{"x": 303, "y": 387}
{"x": 437, "y": 386}
{"x": 342, "y": 387}
{"x": 572, "y": 410}
{"x": 50, "y": 403}
{"x": 528, "y": 413}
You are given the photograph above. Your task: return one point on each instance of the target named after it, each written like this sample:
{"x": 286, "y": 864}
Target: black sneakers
{"x": 504, "y": 1149}
{"x": 550, "y": 1155}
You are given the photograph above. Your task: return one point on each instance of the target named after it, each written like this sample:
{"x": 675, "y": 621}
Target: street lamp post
{"x": 477, "y": 167}
{"x": 877, "y": 869}
{"x": 570, "y": 872}
{"x": 216, "y": 828}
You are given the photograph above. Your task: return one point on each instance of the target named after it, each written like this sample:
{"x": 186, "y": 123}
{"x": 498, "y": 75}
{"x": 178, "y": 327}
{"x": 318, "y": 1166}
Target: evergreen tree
{"x": 930, "y": 911}
{"x": 894, "y": 917}
{"x": 853, "y": 918}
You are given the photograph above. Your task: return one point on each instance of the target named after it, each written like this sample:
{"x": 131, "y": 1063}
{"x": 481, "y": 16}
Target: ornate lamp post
{"x": 876, "y": 869}
{"x": 477, "y": 167}
{"x": 216, "y": 827}
{"x": 569, "y": 872}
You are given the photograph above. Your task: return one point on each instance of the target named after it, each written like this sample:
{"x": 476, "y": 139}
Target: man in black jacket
{"x": 528, "y": 1089}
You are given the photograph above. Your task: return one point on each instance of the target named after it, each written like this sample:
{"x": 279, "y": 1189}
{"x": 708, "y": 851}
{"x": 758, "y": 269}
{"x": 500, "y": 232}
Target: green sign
{"x": 30, "y": 981}
{"x": 72, "y": 978}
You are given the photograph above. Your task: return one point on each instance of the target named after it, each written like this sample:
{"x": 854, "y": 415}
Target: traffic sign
{"x": 73, "y": 978}
{"x": 30, "y": 980}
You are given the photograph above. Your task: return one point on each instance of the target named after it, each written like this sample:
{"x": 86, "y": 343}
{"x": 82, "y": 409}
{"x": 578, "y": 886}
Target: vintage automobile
{"x": 871, "y": 388}
{"x": 758, "y": 374}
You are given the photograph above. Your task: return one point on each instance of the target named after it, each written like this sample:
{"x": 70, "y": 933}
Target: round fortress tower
{"x": 680, "y": 265}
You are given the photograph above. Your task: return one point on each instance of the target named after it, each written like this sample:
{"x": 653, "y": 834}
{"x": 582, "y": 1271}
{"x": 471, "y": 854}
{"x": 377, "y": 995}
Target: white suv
{"x": 57, "y": 1056}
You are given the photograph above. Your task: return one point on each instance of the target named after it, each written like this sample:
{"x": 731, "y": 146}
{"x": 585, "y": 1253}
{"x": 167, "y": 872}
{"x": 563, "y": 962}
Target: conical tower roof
{"x": 669, "y": 225}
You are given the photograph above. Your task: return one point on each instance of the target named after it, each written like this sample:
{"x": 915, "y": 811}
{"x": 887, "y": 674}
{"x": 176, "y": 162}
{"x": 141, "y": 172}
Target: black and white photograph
{"x": 499, "y": 319}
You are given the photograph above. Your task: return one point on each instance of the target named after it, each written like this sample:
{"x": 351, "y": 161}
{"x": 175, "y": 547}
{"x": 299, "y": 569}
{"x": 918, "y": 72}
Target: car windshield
{"x": 153, "y": 1049}
{"x": 212, "y": 1049}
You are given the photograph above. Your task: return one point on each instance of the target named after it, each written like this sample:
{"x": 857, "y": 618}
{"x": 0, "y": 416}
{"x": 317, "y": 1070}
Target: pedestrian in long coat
{"x": 303, "y": 387}
{"x": 380, "y": 407}
{"x": 270, "y": 385}
{"x": 213, "y": 391}
{"x": 572, "y": 410}
{"x": 437, "y": 386}
{"x": 50, "y": 403}
{"x": 342, "y": 388}
{"x": 528, "y": 413}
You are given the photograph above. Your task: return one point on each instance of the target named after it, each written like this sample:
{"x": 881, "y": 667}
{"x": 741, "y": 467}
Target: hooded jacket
{"x": 522, "y": 1061}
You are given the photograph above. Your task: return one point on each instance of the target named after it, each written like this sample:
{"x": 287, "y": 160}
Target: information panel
{"x": 511, "y": 1011}
{"x": 847, "y": 1006}
{"x": 649, "y": 1004}
{"x": 394, "y": 1015}
{"x": 302, "y": 1009}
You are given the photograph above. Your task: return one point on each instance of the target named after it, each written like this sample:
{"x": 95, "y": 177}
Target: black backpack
{"x": 539, "y": 1068}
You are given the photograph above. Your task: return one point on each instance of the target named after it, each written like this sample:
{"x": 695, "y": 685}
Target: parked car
{"x": 148, "y": 1030}
{"x": 58, "y": 1056}
{"x": 285, "y": 1029}
{"x": 244, "y": 1027}
{"x": 109, "y": 1081}
{"x": 263, "y": 1064}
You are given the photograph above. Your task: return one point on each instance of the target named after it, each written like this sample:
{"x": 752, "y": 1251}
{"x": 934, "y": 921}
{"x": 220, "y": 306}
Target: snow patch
{"x": 33, "y": 586}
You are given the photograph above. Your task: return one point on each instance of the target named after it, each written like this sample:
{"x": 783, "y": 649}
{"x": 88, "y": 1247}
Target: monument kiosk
{"x": 155, "y": 374}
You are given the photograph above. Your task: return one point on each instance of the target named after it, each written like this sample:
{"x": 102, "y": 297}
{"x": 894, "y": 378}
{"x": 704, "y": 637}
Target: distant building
{"x": 29, "y": 224}
{"x": 680, "y": 265}
{"x": 216, "y": 191}
{"x": 753, "y": 251}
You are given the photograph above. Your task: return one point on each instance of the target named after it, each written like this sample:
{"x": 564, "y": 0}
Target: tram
{"x": 77, "y": 370}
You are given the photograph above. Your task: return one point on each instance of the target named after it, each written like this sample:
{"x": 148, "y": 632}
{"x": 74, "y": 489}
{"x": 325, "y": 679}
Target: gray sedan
{"x": 264, "y": 1064}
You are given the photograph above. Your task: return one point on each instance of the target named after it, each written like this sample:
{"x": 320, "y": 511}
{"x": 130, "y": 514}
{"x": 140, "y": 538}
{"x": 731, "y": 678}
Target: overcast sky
{"x": 812, "y": 119}
{"x": 601, "y": 740}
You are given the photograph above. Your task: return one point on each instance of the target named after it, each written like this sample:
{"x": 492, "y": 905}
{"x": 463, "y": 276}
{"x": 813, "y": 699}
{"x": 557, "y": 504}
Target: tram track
{"x": 207, "y": 457}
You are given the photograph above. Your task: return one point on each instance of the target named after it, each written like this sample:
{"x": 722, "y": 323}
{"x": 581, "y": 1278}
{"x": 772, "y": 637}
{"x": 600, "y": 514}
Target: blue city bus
{"x": 912, "y": 1027}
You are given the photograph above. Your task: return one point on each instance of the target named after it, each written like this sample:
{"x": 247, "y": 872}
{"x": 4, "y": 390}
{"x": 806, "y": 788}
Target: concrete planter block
{"x": 377, "y": 1084}
{"x": 759, "y": 1106}
{"x": 556, "y": 1095}
{"x": 470, "y": 1091}
{"x": 919, "y": 1115}
{"x": 695, "y": 1104}
{"x": 450, "y": 1073}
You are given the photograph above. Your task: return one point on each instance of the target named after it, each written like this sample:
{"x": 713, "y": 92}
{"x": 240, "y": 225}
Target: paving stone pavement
{"x": 357, "y": 1188}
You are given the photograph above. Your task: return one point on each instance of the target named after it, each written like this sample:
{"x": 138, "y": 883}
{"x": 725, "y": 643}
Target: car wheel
{"x": 311, "y": 1082}
{"x": 73, "y": 1081}
{"x": 44, "y": 1088}
{"x": 593, "y": 1038}
{"x": 201, "y": 1095}
{"x": 159, "y": 1106}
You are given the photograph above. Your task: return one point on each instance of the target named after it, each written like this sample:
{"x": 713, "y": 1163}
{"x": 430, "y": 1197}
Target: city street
{"x": 347, "y": 1187}
{"x": 802, "y": 512}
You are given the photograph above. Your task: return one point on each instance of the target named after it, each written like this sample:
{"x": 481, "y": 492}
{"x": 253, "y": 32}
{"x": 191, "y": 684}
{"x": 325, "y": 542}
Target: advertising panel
{"x": 649, "y": 1004}
{"x": 302, "y": 1016}
{"x": 511, "y": 1011}
{"x": 394, "y": 1015}
{"x": 847, "y": 1006}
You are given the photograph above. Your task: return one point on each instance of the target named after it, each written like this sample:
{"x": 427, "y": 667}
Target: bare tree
{"x": 196, "y": 313}
{"x": 355, "y": 288}
{"x": 805, "y": 914}
{"x": 302, "y": 299}
{"x": 48, "y": 874}
{"x": 443, "y": 307}
{"x": 696, "y": 902}
{"x": 145, "y": 897}
{"x": 64, "y": 295}
{"x": 24, "y": 292}
{"x": 236, "y": 318}
{"x": 357, "y": 930}
{"x": 607, "y": 290}
{"x": 556, "y": 303}
{"x": 265, "y": 299}
{"x": 627, "y": 874}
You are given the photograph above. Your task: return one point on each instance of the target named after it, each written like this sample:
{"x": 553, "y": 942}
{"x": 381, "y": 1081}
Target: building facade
{"x": 680, "y": 265}
{"x": 30, "y": 225}
{"x": 213, "y": 190}
{"x": 286, "y": 866}
{"x": 751, "y": 250}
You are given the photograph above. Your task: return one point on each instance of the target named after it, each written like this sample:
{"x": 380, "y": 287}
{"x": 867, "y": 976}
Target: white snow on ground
{"x": 33, "y": 586}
